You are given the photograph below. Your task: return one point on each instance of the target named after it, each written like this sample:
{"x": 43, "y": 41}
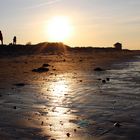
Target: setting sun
{"x": 59, "y": 29}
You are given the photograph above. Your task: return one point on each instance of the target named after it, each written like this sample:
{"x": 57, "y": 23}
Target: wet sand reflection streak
{"x": 59, "y": 114}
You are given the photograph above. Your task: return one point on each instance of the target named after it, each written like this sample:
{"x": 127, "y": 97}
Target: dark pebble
{"x": 103, "y": 81}
{"x": 98, "y": 69}
{"x": 99, "y": 79}
{"x": 117, "y": 124}
{"x": 108, "y": 79}
{"x": 20, "y": 84}
{"x": 45, "y": 65}
{"x": 15, "y": 107}
{"x": 68, "y": 134}
{"x": 40, "y": 70}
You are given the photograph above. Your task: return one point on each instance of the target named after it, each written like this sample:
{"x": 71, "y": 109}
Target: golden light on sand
{"x": 60, "y": 88}
{"x": 59, "y": 29}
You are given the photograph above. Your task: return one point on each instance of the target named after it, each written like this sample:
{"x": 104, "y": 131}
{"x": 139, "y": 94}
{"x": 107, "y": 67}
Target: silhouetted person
{"x": 14, "y": 40}
{"x": 1, "y": 38}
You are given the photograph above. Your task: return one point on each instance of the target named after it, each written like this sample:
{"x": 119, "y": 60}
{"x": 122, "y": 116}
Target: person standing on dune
{"x": 1, "y": 38}
{"x": 14, "y": 40}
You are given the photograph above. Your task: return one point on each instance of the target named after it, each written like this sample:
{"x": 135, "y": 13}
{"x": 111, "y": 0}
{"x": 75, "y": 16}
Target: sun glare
{"x": 59, "y": 29}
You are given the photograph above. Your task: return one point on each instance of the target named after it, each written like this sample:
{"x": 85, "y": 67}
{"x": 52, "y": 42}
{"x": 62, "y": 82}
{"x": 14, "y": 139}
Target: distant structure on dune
{"x": 118, "y": 46}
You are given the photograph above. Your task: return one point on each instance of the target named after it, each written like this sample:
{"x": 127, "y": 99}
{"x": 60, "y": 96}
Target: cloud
{"x": 49, "y": 2}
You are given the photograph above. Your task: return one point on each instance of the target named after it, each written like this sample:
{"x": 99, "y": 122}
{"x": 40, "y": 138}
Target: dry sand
{"x": 44, "y": 105}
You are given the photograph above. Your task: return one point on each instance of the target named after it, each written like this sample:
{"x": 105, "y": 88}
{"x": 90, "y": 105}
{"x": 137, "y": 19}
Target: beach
{"x": 69, "y": 99}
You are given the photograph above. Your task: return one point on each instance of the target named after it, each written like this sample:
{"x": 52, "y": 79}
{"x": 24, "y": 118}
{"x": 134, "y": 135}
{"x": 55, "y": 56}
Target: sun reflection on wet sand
{"x": 59, "y": 87}
{"x": 59, "y": 114}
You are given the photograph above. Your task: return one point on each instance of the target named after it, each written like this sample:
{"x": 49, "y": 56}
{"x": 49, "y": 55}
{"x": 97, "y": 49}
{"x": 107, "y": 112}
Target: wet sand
{"x": 70, "y": 101}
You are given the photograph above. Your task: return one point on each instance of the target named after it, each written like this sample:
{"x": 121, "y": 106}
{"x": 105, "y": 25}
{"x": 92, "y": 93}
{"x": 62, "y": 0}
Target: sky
{"x": 99, "y": 23}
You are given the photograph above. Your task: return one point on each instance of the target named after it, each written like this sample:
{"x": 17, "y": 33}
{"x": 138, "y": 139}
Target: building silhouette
{"x": 118, "y": 46}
